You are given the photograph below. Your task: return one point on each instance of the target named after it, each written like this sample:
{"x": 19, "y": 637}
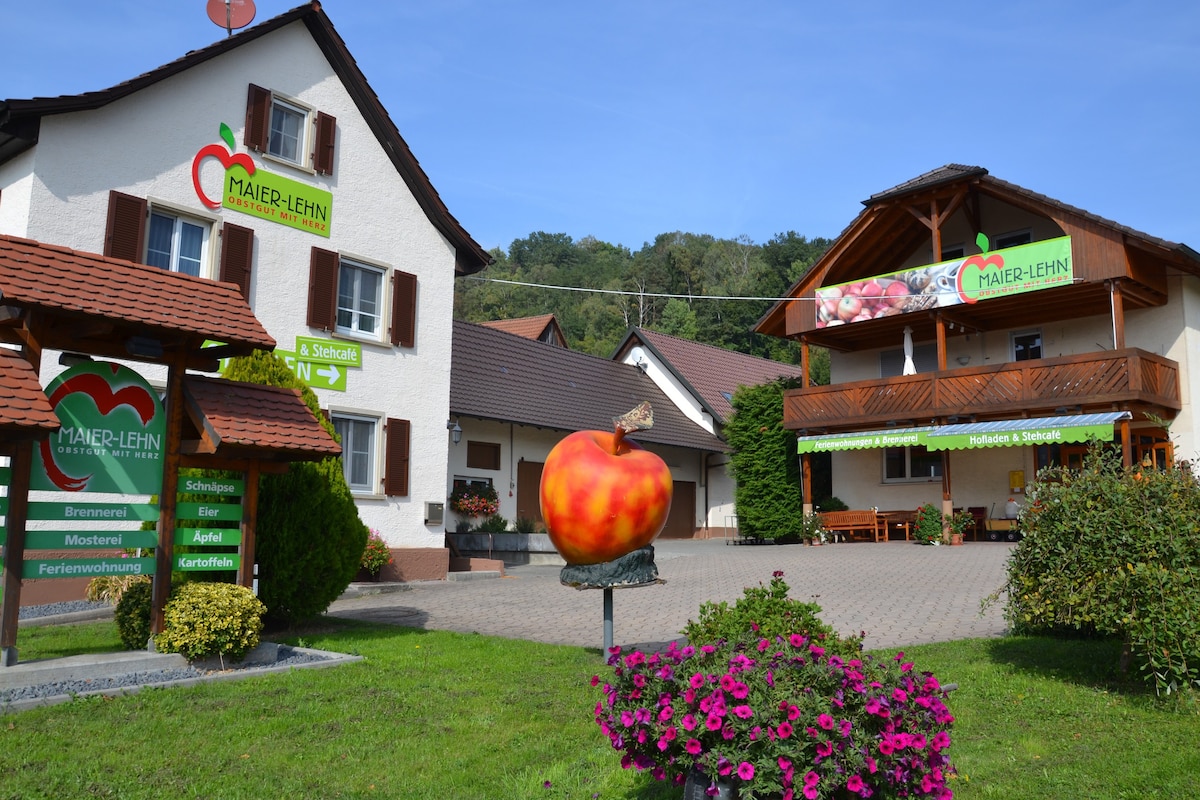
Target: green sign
{"x": 192, "y": 562}
{"x": 5, "y": 475}
{"x": 1013, "y": 270}
{"x": 273, "y": 197}
{"x": 1003, "y": 433}
{"x": 315, "y": 374}
{"x": 329, "y": 351}
{"x": 93, "y": 512}
{"x": 112, "y": 437}
{"x": 225, "y": 487}
{"x": 85, "y": 540}
{"x": 208, "y": 537}
{"x": 213, "y": 512}
{"x": 85, "y": 567}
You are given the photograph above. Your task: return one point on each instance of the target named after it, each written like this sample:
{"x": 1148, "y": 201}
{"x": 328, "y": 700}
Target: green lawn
{"x": 446, "y": 715}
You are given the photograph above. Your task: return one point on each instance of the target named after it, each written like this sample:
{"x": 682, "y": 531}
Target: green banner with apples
{"x": 1013, "y": 270}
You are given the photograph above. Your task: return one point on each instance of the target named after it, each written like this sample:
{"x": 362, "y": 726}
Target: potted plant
{"x": 958, "y": 522}
{"x": 928, "y": 525}
{"x": 782, "y": 715}
{"x": 376, "y": 554}
{"x": 811, "y": 529}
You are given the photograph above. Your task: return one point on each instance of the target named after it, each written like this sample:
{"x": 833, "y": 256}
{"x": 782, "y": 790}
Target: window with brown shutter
{"x": 125, "y": 233}
{"x": 237, "y": 255}
{"x": 395, "y": 471}
{"x": 323, "y": 152}
{"x": 404, "y": 309}
{"x": 258, "y": 118}
{"x": 322, "y": 289}
{"x": 483, "y": 455}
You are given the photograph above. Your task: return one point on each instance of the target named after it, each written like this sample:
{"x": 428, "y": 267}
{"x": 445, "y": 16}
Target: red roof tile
{"x": 24, "y": 409}
{"x": 138, "y": 298}
{"x": 529, "y": 327}
{"x": 251, "y": 420}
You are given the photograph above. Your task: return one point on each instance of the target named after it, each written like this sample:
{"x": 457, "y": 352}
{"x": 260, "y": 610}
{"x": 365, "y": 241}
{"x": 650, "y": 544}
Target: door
{"x": 681, "y": 521}
{"x": 529, "y": 478}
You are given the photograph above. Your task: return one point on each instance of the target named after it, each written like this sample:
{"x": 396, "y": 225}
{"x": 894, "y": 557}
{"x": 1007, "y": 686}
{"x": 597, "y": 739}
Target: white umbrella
{"x": 909, "y": 367}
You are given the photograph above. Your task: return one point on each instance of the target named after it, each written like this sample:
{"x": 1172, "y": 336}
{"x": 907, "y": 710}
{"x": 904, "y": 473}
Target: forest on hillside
{"x": 690, "y": 266}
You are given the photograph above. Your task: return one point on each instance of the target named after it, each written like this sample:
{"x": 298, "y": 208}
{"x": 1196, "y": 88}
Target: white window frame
{"x": 179, "y": 215}
{"x": 371, "y": 485}
{"x": 908, "y": 477}
{"x": 355, "y": 311}
{"x": 303, "y": 158}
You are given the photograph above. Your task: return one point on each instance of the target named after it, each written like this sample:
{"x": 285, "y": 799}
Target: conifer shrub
{"x": 768, "y": 496}
{"x": 1112, "y": 551}
{"x": 132, "y": 615}
{"x": 211, "y": 619}
{"x": 310, "y": 539}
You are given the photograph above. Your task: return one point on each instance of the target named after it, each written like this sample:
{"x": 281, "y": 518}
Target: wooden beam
{"x": 1118, "y": 314}
{"x": 168, "y": 498}
{"x": 940, "y": 326}
{"x": 249, "y": 525}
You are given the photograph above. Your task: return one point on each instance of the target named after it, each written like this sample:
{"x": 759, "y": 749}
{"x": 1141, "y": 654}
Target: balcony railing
{"x": 1127, "y": 379}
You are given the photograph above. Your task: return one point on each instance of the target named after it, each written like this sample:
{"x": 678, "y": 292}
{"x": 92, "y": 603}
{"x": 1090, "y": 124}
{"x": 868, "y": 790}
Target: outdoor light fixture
{"x": 964, "y": 360}
{"x": 455, "y": 430}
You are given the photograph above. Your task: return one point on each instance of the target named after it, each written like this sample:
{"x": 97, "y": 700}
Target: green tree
{"x": 764, "y": 464}
{"x": 310, "y": 540}
{"x": 678, "y": 319}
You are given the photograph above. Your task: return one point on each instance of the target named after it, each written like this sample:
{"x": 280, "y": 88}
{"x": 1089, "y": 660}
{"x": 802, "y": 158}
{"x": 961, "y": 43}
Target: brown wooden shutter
{"x": 323, "y": 152}
{"x": 237, "y": 255}
{"x": 404, "y": 309}
{"x": 125, "y": 234}
{"x": 258, "y": 118}
{"x": 395, "y": 470}
{"x": 322, "y": 289}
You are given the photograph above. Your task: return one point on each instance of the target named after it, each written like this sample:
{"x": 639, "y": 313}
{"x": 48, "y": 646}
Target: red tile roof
{"x": 713, "y": 373}
{"x": 248, "y": 420}
{"x": 73, "y": 286}
{"x": 24, "y": 409}
{"x": 529, "y": 327}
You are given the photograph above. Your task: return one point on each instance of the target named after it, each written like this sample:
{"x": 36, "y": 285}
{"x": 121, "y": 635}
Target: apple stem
{"x": 639, "y": 419}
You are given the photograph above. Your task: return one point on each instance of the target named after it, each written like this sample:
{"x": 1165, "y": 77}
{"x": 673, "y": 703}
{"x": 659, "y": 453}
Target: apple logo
{"x": 977, "y": 264}
{"x": 227, "y": 158}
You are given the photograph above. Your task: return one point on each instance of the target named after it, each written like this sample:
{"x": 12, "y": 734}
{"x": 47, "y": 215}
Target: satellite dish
{"x": 231, "y": 14}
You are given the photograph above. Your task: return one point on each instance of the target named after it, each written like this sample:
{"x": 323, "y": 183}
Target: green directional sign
{"x": 86, "y": 540}
{"x": 225, "y": 487}
{"x": 93, "y": 512}
{"x": 85, "y": 567}
{"x": 213, "y": 512}
{"x": 208, "y": 536}
{"x": 329, "y": 351}
{"x": 5, "y": 475}
{"x": 192, "y": 562}
{"x": 316, "y": 374}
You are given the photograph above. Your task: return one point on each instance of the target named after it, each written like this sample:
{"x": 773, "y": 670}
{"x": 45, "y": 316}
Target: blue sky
{"x": 626, "y": 119}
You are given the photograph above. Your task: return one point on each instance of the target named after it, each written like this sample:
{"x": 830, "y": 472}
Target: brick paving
{"x": 899, "y": 593}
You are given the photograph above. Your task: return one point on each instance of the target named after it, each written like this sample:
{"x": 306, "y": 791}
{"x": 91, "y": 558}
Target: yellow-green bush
{"x": 210, "y": 619}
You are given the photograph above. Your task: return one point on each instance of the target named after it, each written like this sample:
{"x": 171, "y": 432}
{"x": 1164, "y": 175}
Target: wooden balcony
{"x": 1132, "y": 379}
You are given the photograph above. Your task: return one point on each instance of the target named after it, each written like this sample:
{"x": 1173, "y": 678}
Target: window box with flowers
{"x": 470, "y": 500}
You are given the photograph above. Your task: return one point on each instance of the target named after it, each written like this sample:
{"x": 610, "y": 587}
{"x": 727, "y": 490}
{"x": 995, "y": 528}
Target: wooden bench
{"x": 855, "y": 523}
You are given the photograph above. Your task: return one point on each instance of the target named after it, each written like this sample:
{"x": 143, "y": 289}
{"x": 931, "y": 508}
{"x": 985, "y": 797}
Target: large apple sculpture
{"x": 602, "y": 495}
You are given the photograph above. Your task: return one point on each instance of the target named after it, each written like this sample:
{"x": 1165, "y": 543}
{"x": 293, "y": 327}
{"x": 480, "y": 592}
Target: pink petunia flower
{"x": 745, "y": 770}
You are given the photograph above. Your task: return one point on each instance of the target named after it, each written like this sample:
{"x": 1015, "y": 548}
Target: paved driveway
{"x": 897, "y": 592}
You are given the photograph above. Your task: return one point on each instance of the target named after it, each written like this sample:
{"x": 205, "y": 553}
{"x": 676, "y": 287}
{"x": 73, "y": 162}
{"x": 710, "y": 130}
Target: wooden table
{"x": 899, "y": 520}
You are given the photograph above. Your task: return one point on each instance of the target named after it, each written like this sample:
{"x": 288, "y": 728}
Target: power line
{"x": 629, "y": 293}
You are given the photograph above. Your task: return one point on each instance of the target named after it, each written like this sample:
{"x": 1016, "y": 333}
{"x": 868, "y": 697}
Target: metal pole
{"x": 608, "y": 619}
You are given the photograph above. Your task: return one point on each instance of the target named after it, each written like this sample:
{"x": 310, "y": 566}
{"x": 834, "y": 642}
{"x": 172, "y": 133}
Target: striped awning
{"x": 971, "y": 435}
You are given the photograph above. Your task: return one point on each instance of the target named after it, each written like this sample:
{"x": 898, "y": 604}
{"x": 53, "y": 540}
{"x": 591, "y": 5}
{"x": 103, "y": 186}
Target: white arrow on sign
{"x": 330, "y": 372}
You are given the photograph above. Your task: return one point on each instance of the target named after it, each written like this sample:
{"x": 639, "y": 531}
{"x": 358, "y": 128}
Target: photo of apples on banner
{"x": 603, "y": 496}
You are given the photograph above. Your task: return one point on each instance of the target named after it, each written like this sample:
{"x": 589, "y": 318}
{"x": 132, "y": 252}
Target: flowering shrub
{"x": 927, "y": 525}
{"x": 376, "y": 554}
{"x": 780, "y": 716}
{"x": 474, "y": 500}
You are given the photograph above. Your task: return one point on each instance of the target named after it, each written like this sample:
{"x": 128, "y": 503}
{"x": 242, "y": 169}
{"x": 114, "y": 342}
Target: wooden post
{"x": 947, "y": 502}
{"x": 168, "y": 498}
{"x": 1117, "y": 301}
{"x": 806, "y": 481}
{"x": 249, "y": 524}
{"x": 14, "y": 550}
